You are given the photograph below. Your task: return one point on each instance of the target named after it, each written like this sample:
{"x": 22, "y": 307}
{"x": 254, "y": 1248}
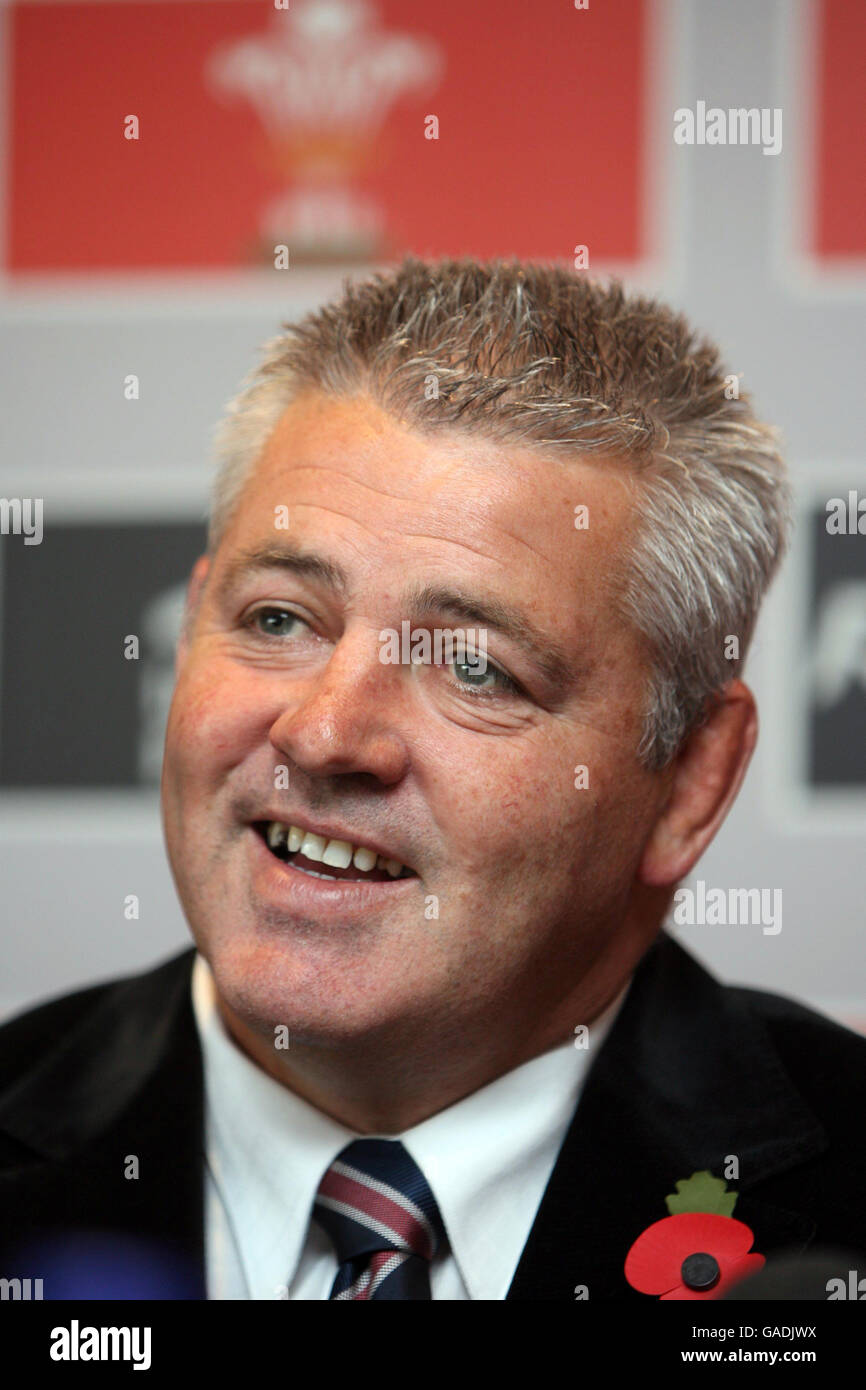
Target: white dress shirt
{"x": 487, "y": 1159}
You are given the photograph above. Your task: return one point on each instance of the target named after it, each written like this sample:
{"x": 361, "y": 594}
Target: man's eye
{"x": 473, "y": 679}
{"x": 274, "y": 622}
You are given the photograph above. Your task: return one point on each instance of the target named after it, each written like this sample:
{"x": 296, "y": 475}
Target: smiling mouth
{"x": 335, "y": 860}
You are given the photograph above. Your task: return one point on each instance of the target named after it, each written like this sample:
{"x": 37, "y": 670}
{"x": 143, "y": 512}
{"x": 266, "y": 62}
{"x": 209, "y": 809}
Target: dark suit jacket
{"x": 691, "y": 1072}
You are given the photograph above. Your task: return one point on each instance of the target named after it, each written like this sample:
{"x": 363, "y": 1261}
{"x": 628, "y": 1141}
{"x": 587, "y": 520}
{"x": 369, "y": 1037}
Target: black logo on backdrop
{"x": 836, "y": 643}
{"x": 74, "y": 712}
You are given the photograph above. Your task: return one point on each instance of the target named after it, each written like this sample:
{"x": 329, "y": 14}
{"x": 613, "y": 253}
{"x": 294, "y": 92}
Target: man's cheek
{"x": 189, "y": 727}
{"x": 205, "y": 713}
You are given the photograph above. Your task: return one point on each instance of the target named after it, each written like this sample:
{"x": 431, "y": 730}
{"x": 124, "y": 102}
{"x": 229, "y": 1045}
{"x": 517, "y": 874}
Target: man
{"x": 434, "y": 1041}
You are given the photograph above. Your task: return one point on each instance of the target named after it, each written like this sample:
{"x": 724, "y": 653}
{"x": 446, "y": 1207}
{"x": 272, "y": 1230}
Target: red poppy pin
{"x": 698, "y": 1251}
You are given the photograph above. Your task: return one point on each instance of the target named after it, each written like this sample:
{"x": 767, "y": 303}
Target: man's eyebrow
{"x": 288, "y": 559}
{"x": 488, "y": 612}
{"x": 481, "y": 611}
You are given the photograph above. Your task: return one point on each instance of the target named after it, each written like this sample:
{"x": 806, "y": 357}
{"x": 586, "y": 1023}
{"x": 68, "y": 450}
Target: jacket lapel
{"x": 101, "y": 1171}
{"x": 687, "y": 1078}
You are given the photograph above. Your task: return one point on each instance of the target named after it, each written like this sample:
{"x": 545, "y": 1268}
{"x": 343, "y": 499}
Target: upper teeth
{"x": 339, "y": 853}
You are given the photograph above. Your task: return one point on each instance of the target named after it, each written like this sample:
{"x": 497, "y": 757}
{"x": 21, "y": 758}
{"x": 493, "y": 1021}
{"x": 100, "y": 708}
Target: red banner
{"x": 840, "y": 148}
{"x": 182, "y": 135}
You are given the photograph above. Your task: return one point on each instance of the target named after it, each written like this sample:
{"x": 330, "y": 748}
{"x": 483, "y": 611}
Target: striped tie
{"x": 375, "y": 1205}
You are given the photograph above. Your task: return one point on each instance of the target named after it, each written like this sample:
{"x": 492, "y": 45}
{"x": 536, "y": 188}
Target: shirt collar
{"x": 487, "y": 1158}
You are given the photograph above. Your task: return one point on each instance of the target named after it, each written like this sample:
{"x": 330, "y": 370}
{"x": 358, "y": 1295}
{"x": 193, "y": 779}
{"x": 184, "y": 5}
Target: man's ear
{"x": 193, "y": 597}
{"x": 705, "y": 778}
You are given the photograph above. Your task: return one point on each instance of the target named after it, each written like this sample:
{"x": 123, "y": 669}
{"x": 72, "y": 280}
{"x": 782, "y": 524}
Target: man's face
{"x": 520, "y": 879}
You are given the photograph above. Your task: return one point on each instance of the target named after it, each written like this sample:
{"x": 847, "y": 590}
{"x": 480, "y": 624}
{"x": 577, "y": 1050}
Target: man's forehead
{"x": 461, "y": 480}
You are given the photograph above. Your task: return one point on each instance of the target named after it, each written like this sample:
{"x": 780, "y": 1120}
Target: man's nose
{"x": 345, "y": 718}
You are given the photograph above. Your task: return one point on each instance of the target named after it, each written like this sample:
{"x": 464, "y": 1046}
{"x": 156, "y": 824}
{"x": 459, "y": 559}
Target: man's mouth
{"x": 333, "y": 859}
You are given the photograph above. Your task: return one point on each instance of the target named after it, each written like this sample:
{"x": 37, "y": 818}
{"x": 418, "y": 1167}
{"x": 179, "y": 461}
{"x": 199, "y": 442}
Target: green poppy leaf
{"x": 701, "y": 1192}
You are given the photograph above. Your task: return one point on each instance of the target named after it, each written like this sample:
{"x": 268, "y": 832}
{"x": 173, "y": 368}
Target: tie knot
{"x": 375, "y": 1197}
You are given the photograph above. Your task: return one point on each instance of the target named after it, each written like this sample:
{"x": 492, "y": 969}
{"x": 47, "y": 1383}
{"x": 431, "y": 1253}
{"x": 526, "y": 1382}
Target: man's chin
{"x": 293, "y": 997}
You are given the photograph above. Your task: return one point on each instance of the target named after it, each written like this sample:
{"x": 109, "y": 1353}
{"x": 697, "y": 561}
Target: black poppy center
{"x": 700, "y": 1271}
